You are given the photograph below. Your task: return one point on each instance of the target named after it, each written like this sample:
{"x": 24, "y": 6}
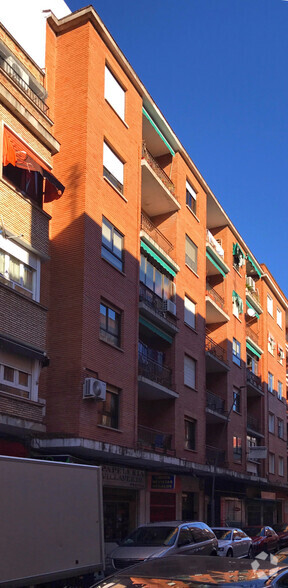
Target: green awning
{"x": 254, "y": 265}
{"x": 215, "y": 263}
{"x": 237, "y": 250}
{"x": 250, "y": 306}
{"x": 155, "y": 329}
{"x": 238, "y": 298}
{"x": 253, "y": 349}
{"x": 158, "y": 131}
{"x": 157, "y": 258}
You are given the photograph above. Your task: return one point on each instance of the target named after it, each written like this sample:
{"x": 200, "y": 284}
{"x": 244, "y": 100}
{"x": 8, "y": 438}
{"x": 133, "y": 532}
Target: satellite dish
{"x": 251, "y": 312}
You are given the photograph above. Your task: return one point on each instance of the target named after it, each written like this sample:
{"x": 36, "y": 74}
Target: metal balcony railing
{"x": 215, "y": 296}
{"x": 253, "y": 423}
{"x": 253, "y": 336}
{"x": 153, "y": 439}
{"x": 215, "y": 456}
{"x": 215, "y": 403}
{"x": 150, "y": 369}
{"x": 23, "y": 85}
{"x": 157, "y": 169}
{"x": 215, "y": 349}
{"x": 155, "y": 303}
{"x": 155, "y": 234}
{"x": 253, "y": 380}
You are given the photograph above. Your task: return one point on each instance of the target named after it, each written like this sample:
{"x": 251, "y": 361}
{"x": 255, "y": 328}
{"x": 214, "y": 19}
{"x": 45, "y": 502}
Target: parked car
{"x": 198, "y": 572}
{"x": 155, "y": 540}
{"x": 263, "y": 539}
{"x": 282, "y": 531}
{"x": 233, "y": 542}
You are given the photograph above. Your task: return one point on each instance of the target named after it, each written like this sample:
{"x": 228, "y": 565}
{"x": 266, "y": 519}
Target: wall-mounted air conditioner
{"x": 93, "y": 388}
{"x": 169, "y": 306}
{"x": 250, "y": 283}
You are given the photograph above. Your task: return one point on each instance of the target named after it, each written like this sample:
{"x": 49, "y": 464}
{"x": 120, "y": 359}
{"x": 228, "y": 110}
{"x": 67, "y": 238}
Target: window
{"x": 236, "y": 352}
{"x": 19, "y": 375}
{"x": 113, "y": 168}
{"x": 238, "y": 256}
{"x": 190, "y": 197}
{"x": 237, "y": 448}
{"x": 190, "y": 434}
{"x": 237, "y": 304}
{"x": 271, "y": 463}
{"x": 280, "y": 354}
{"x": 19, "y": 269}
{"x": 280, "y": 425}
{"x": 271, "y": 423}
{"x": 191, "y": 253}
{"x": 112, "y": 244}
{"x": 155, "y": 280}
{"x": 252, "y": 363}
{"x": 279, "y": 390}
{"x": 189, "y": 312}
{"x": 270, "y": 304}
{"x": 281, "y": 466}
{"x": 236, "y": 400}
{"x": 270, "y": 383}
{"x": 114, "y": 93}
{"x": 110, "y": 322}
{"x": 279, "y": 317}
{"x": 109, "y": 415}
{"x": 271, "y": 344}
{"x": 189, "y": 372}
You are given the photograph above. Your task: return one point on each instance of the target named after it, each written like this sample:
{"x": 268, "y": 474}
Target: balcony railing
{"x": 253, "y": 336}
{"x": 150, "y": 369}
{"x": 155, "y": 303}
{"x": 253, "y": 380}
{"x": 253, "y": 423}
{"x": 23, "y": 85}
{"x": 155, "y": 440}
{"x": 215, "y": 296}
{"x": 215, "y": 456}
{"x": 215, "y": 403}
{"x": 157, "y": 169}
{"x": 155, "y": 234}
{"x": 215, "y": 349}
{"x": 214, "y": 243}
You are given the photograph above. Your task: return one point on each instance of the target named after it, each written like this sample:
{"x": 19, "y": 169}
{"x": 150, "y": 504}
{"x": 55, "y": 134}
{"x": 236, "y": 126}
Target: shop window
{"x": 190, "y": 434}
{"x": 110, "y": 324}
{"x": 112, "y": 244}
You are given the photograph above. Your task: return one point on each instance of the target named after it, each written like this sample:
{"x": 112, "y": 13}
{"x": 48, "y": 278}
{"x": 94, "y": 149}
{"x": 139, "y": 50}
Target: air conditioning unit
{"x": 250, "y": 283}
{"x": 93, "y": 388}
{"x": 169, "y": 306}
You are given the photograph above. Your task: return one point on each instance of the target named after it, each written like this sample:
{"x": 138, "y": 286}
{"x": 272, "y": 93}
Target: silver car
{"x": 155, "y": 540}
{"x": 233, "y": 542}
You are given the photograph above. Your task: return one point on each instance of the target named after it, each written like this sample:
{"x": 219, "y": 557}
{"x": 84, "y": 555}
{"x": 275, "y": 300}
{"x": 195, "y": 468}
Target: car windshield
{"x": 223, "y": 534}
{"x": 151, "y": 536}
{"x": 253, "y": 531}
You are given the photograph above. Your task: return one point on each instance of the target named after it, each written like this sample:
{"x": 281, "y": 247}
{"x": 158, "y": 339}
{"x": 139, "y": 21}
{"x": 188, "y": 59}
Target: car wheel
{"x": 250, "y": 552}
{"x": 229, "y": 553}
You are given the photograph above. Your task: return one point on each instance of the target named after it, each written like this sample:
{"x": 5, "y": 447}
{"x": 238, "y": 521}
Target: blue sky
{"x": 218, "y": 71}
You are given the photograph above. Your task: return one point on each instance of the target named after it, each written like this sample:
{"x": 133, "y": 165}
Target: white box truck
{"x": 51, "y": 521}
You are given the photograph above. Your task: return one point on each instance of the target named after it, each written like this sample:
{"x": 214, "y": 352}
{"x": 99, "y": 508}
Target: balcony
{"x": 153, "y": 308}
{"x": 154, "y": 440}
{"x": 215, "y": 456}
{"x": 154, "y": 379}
{"x": 253, "y": 426}
{"x": 252, "y": 335}
{"x": 214, "y": 257}
{"x": 153, "y": 232}
{"x": 215, "y": 408}
{"x": 22, "y": 85}
{"x": 158, "y": 191}
{"x": 254, "y": 384}
{"x": 252, "y": 295}
{"x": 215, "y": 357}
{"x": 215, "y": 312}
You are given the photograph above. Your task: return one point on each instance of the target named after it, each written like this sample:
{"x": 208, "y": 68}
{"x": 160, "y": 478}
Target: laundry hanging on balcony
{"x": 238, "y": 255}
{"x": 19, "y": 155}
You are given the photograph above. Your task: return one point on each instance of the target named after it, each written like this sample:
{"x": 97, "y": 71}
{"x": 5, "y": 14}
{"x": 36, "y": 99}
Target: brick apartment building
{"x": 166, "y": 338}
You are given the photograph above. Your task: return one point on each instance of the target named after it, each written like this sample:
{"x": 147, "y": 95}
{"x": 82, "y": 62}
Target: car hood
{"x": 138, "y": 552}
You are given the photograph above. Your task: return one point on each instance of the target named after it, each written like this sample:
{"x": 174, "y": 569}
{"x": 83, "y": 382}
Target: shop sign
{"x": 125, "y": 477}
{"x": 268, "y": 495}
{"x": 162, "y": 482}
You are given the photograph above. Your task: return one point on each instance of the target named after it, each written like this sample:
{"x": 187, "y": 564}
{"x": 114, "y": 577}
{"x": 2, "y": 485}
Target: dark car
{"x": 155, "y": 540}
{"x": 282, "y": 531}
{"x": 198, "y": 572}
{"x": 263, "y": 539}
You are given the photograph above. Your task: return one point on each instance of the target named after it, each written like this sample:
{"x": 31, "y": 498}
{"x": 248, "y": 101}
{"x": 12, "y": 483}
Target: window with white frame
{"x": 270, "y": 304}
{"x": 191, "y": 197}
{"x": 279, "y": 317}
{"x": 19, "y": 269}
{"x": 114, "y": 93}
{"x": 112, "y": 244}
{"x": 279, "y": 390}
{"x": 271, "y": 463}
{"x": 237, "y": 304}
{"x": 270, "y": 383}
{"x": 191, "y": 254}
{"x": 280, "y": 427}
{"x": 271, "y": 423}
{"x": 113, "y": 168}
{"x": 189, "y": 372}
{"x": 189, "y": 312}
{"x": 281, "y": 465}
{"x": 271, "y": 344}
{"x": 280, "y": 354}
{"x": 19, "y": 375}
{"x": 236, "y": 352}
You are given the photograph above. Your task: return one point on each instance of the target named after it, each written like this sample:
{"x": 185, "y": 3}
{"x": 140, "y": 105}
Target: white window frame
{"x": 269, "y": 304}
{"x": 271, "y": 463}
{"x": 279, "y": 390}
{"x": 279, "y": 317}
{"x": 109, "y": 249}
{"x": 190, "y": 372}
{"x": 280, "y": 465}
{"x": 192, "y": 263}
{"x": 19, "y": 363}
{"x": 114, "y": 166}
{"x": 193, "y": 198}
{"x": 270, "y": 381}
{"x": 271, "y": 344}
{"x": 189, "y": 312}
{"x": 271, "y": 423}
{"x": 114, "y": 93}
{"x": 26, "y": 259}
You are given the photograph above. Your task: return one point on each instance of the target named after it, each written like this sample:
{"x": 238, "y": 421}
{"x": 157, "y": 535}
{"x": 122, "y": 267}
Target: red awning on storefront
{"x": 19, "y": 155}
